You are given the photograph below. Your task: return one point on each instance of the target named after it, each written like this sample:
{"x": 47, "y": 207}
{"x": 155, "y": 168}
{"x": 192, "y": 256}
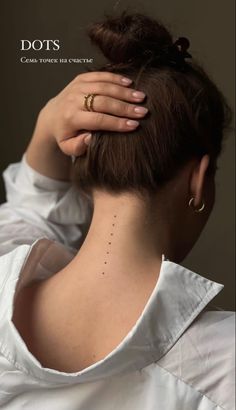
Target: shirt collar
{"x": 176, "y": 300}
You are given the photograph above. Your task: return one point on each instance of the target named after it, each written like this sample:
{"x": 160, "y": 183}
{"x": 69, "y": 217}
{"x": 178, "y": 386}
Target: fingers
{"x": 112, "y": 90}
{"x": 104, "y": 76}
{"x": 117, "y": 107}
{"x": 100, "y": 121}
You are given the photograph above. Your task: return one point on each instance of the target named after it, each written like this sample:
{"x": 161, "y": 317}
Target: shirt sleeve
{"x": 39, "y": 206}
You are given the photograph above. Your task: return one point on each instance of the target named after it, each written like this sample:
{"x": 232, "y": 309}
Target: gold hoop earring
{"x": 196, "y": 209}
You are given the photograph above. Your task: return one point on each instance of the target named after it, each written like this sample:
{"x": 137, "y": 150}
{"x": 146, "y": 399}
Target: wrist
{"x": 43, "y": 153}
{"x": 43, "y": 129}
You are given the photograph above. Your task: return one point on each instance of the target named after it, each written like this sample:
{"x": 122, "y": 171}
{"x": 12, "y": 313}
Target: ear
{"x": 198, "y": 179}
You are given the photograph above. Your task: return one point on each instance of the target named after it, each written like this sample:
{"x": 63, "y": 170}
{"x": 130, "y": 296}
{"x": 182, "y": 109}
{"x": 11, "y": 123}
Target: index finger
{"x": 104, "y": 76}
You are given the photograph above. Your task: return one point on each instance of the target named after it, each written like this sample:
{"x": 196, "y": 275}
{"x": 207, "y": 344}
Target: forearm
{"x": 44, "y": 155}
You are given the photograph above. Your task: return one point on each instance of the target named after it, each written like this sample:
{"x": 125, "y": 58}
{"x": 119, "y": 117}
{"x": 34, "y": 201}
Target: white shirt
{"x": 179, "y": 355}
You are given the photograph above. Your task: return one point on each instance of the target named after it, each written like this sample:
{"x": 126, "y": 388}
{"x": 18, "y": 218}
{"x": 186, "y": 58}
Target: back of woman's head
{"x": 187, "y": 113}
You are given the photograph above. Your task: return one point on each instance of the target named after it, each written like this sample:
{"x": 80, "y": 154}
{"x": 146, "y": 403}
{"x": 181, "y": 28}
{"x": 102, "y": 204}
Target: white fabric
{"x": 178, "y": 356}
{"x": 41, "y": 206}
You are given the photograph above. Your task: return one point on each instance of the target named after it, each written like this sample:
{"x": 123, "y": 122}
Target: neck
{"x": 123, "y": 238}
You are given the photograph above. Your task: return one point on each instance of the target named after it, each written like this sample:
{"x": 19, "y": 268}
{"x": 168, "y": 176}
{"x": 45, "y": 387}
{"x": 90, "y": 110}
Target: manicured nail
{"x": 140, "y": 110}
{"x": 138, "y": 94}
{"x": 132, "y": 123}
{"x": 87, "y": 138}
{"x": 126, "y": 80}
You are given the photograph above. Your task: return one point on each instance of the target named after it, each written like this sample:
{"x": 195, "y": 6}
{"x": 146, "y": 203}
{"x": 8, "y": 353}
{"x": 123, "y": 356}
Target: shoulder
{"x": 214, "y": 331}
{"x": 25, "y": 260}
{"x": 12, "y": 261}
{"x": 204, "y": 356}
{"x": 214, "y": 321}
{"x": 213, "y": 336}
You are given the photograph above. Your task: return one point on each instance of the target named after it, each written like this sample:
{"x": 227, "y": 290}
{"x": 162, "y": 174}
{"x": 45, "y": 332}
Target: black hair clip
{"x": 182, "y": 44}
{"x": 176, "y": 53}
{"x": 170, "y": 55}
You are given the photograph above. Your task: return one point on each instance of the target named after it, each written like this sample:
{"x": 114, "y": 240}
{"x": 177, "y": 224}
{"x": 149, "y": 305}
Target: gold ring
{"x": 88, "y": 102}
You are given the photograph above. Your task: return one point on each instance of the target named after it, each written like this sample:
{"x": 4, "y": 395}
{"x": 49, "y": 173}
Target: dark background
{"x": 25, "y": 88}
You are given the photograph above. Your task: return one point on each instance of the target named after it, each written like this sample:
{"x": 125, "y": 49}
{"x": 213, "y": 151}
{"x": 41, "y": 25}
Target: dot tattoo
{"x": 109, "y": 243}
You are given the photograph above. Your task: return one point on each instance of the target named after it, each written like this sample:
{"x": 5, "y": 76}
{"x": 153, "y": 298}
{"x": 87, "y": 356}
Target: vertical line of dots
{"x": 109, "y": 243}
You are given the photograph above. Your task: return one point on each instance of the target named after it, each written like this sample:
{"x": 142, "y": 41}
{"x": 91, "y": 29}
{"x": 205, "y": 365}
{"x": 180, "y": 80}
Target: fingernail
{"x": 140, "y": 110}
{"x": 87, "y": 139}
{"x": 138, "y": 94}
{"x": 126, "y": 80}
{"x": 132, "y": 123}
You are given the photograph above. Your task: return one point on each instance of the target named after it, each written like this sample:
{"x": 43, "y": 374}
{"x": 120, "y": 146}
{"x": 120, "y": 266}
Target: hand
{"x": 64, "y": 118}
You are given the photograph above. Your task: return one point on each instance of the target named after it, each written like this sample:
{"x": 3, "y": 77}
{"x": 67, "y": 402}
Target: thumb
{"x": 76, "y": 145}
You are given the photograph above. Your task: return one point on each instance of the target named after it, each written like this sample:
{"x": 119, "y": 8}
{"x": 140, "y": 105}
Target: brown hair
{"x": 187, "y": 112}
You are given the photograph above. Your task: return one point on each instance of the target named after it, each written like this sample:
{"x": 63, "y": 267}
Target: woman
{"x": 111, "y": 320}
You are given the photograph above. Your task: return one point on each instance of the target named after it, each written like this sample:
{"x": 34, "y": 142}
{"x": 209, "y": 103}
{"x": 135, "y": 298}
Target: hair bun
{"x": 129, "y": 38}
